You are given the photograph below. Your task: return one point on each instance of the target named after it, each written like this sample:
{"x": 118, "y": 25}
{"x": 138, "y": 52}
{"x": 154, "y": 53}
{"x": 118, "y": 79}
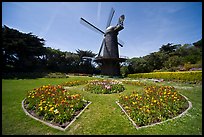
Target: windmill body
{"x": 108, "y": 56}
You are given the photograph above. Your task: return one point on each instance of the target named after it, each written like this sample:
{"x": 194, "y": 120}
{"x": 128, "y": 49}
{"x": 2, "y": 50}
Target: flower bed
{"x": 104, "y": 86}
{"x": 156, "y": 104}
{"x": 134, "y": 83}
{"x": 184, "y": 76}
{"x": 54, "y": 104}
{"x": 74, "y": 83}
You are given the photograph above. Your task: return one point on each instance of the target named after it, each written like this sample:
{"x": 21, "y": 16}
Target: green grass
{"x": 103, "y": 116}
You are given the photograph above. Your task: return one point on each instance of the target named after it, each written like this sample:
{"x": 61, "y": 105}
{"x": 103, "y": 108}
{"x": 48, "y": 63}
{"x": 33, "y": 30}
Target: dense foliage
{"x": 169, "y": 58}
{"x": 156, "y": 104}
{"x": 104, "y": 86}
{"x": 190, "y": 76}
{"x": 53, "y": 103}
{"x": 26, "y": 53}
{"x": 20, "y": 51}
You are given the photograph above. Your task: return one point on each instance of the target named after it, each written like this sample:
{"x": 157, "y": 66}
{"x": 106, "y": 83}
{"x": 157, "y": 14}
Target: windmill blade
{"x": 101, "y": 47}
{"x": 89, "y": 25}
{"x": 120, "y": 42}
{"x": 110, "y": 17}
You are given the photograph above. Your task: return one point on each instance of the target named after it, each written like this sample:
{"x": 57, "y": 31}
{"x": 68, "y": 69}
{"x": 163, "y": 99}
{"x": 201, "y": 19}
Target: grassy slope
{"x": 103, "y": 116}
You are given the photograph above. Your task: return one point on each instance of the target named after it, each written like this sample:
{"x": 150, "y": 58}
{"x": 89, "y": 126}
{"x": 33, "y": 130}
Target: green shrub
{"x": 193, "y": 76}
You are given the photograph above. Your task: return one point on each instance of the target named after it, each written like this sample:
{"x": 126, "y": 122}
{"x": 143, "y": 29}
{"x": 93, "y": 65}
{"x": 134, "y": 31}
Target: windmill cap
{"x": 110, "y": 28}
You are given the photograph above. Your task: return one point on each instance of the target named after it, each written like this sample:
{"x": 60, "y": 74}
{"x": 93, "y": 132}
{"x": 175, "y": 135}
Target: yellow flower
{"x": 51, "y": 109}
{"x": 155, "y": 101}
{"x": 41, "y": 108}
{"x": 56, "y": 111}
{"x": 134, "y": 103}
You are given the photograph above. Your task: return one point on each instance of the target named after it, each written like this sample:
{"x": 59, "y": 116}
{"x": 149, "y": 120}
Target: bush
{"x": 192, "y": 76}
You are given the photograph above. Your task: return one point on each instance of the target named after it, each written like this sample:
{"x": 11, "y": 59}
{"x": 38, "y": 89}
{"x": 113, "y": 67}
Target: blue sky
{"x": 147, "y": 25}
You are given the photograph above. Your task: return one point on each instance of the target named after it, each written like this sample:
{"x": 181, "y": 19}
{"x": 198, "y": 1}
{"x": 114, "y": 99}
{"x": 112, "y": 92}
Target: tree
{"x": 168, "y": 48}
{"x": 198, "y": 44}
{"x": 172, "y": 62}
{"x": 85, "y": 53}
{"x": 86, "y": 65}
{"x": 20, "y": 50}
{"x": 138, "y": 65}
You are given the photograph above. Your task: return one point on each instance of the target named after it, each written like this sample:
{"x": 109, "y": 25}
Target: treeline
{"x": 26, "y": 53}
{"x": 170, "y": 57}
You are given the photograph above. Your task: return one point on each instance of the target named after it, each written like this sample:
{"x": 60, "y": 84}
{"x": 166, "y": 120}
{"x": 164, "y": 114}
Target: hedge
{"x": 195, "y": 76}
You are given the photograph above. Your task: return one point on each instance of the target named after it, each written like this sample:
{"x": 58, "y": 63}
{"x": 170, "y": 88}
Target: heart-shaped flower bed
{"x": 156, "y": 104}
{"x": 54, "y": 104}
{"x": 104, "y": 86}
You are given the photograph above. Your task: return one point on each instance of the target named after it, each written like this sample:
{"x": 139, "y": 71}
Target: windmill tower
{"x": 108, "y": 56}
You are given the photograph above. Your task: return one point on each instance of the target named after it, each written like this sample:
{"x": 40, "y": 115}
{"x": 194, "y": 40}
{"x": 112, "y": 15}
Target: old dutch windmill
{"x": 108, "y": 56}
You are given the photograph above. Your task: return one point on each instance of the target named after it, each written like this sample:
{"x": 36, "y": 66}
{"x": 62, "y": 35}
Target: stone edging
{"x": 51, "y": 125}
{"x": 137, "y": 127}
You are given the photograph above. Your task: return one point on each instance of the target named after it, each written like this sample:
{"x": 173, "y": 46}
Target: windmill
{"x": 108, "y": 56}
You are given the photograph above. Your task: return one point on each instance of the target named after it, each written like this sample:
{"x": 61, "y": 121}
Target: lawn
{"x": 102, "y": 117}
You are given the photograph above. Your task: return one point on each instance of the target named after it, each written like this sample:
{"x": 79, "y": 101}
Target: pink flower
{"x": 107, "y": 86}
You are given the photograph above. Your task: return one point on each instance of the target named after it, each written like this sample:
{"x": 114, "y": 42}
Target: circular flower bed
{"x": 53, "y": 103}
{"x": 104, "y": 86}
{"x": 156, "y": 104}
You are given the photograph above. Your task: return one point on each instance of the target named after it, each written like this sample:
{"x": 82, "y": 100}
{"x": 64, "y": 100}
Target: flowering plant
{"x": 104, "y": 86}
{"x": 74, "y": 83}
{"x": 134, "y": 83}
{"x": 53, "y": 103}
{"x": 156, "y": 104}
